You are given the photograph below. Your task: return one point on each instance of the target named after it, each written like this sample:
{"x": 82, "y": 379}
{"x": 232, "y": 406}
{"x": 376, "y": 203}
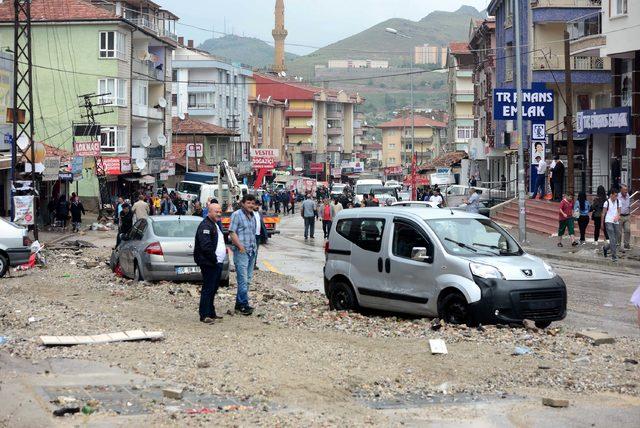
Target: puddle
{"x": 421, "y": 400}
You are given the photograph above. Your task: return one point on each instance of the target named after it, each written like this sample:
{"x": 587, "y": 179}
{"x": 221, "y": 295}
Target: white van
{"x": 188, "y": 190}
{"x": 212, "y": 191}
{"x": 364, "y": 187}
{"x": 458, "y": 266}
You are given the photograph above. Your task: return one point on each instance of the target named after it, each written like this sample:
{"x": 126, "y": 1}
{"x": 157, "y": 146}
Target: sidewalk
{"x": 546, "y": 246}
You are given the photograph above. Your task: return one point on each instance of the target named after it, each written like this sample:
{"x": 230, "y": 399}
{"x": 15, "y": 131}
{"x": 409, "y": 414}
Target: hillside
{"x": 246, "y": 50}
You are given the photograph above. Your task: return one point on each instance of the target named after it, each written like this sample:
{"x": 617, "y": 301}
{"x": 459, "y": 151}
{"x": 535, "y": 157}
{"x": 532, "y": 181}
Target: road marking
{"x": 270, "y": 267}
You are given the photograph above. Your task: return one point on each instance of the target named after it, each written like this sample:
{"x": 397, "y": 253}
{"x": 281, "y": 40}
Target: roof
{"x": 191, "y": 126}
{"x": 266, "y": 85}
{"x": 418, "y": 213}
{"x": 459, "y": 48}
{"x": 59, "y": 10}
{"x": 420, "y": 122}
{"x": 444, "y": 160}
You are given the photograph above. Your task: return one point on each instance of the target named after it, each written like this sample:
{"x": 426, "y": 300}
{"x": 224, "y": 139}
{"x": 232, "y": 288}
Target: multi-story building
{"x": 612, "y": 32}
{"x": 267, "y": 124}
{"x": 319, "y": 122}
{"x": 482, "y": 42}
{"x": 428, "y": 137}
{"x": 543, "y": 23}
{"x": 214, "y": 91}
{"x": 118, "y": 50}
{"x": 461, "y": 125}
{"x": 365, "y": 147}
{"x": 357, "y": 63}
{"x": 428, "y": 54}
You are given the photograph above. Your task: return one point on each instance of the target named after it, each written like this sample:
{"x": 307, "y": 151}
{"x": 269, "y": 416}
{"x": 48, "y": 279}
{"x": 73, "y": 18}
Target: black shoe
{"x": 606, "y": 252}
{"x": 245, "y": 310}
{"x": 207, "y": 320}
{"x": 217, "y": 317}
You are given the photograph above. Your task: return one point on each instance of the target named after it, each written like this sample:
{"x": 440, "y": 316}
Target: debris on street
{"x": 123, "y": 336}
{"x": 596, "y": 337}
{"x": 438, "y": 346}
{"x": 173, "y": 393}
{"x": 555, "y": 402}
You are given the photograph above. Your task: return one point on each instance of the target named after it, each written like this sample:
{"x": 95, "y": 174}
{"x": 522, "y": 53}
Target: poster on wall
{"x": 24, "y": 212}
{"x": 537, "y": 149}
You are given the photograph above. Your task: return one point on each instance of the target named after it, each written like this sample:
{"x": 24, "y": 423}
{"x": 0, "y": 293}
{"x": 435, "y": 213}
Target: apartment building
{"x": 319, "y": 122}
{"x": 215, "y": 91}
{"x": 428, "y": 137}
{"x": 461, "y": 123}
{"x": 357, "y": 63}
{"x": 267, "y": 125}
{"x": 543, "y": 24}
{"x": 120, "y": 50}
{"x": 612, "y": 32}
{"x": 431, "y": 55}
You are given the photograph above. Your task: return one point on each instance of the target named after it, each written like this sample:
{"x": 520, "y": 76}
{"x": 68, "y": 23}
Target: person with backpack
{"x": 611, "y": 217}
{"x": 583, "y": 207}
{"x": 596, "y": 212}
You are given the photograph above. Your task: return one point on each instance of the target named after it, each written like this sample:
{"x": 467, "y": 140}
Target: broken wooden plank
{"x": 121, "y": 336}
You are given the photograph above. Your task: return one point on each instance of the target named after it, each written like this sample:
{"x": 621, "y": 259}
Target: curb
{"x": 598, "y": 262}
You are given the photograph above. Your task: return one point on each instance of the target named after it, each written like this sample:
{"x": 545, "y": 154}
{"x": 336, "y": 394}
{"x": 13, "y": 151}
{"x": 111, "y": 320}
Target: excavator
{"x": 228, "y": 176}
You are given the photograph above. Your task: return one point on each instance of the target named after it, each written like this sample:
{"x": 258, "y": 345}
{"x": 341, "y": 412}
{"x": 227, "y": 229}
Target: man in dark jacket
{"x": 616, "y": 172}
{"x": 557, "y": 179}
{"x": 126, "y": 222}
{"x": 209, "y": 253}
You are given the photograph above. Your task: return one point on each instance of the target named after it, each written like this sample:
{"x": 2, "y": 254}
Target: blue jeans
{"x": 309, "y": 226}
{"x": 244, "y": 262}
{"x": 540, "y": 184}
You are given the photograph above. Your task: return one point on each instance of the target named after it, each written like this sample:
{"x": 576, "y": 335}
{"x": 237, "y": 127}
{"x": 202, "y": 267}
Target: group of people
{"x": 280, "y": 201}
{"x": 610, "y": 213}
{"x": 62, "y": 210}
{"x": 553, "y": 174}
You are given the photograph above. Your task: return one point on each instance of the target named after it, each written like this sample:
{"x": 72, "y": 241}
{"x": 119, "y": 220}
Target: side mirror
{"x": 419, "y": 254}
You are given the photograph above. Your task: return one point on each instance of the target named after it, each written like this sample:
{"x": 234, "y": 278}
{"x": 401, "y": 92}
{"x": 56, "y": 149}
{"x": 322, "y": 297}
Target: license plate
{"x": 187, "y": 270}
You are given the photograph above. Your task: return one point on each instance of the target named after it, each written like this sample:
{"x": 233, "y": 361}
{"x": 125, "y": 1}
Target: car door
{"x": 410, "y": 284}
{"x": 367, "y": 258}
{"x": 130, "y": 248}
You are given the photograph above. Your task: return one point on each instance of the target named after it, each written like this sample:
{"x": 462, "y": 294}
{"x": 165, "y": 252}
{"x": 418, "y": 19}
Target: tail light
{"x": 326, "y": 247}
{"x": 26, "y": 242}
{"x": 154, "y": 249}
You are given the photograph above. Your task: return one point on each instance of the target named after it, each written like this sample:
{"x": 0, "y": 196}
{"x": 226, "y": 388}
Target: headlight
{"x": 549, "y": 269}
{"x": 485, "y": 271}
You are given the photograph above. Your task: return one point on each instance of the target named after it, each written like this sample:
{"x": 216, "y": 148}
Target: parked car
{"x": 161, "y": 248}
{"x": 337, "y": 189}
{"x": 15, "y": 246}
{"x": 415, "y": 204}
{"x": 363, "y": 187}
{"x": 385, "y": 194}
{"x": 460, "y": 267}
{"x": 404, "y": 196}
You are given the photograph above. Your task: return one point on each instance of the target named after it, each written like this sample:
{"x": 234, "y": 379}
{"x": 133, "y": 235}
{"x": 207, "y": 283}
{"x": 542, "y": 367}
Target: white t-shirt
{"x": 542, "y": 167}
{"x": 436, "y": 199}
{"x": 611, "y": 213}
{"x": 221, "y": 248}
{"x": 256, "y": 215}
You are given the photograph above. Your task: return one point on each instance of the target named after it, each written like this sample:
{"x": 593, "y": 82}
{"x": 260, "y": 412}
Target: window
{"x": 113, "y": 139}
{"x": 137, "y": 232}
{"x": 113, "y": 91}
{"x": 392, "y": 145}
{"x": 174, "y": 75}
{"x": 619, "y": 7}
{"x": 366, "y": 233}
{"x": 201, "y": 100}
{"x": 474, "y": 237}
{"x": 141, "y": 93}
{"x": 344, "y": 228}
{"x": 508, "y": 13}
{"x": 174, "y": 100}
{"x": 235, "y": 103}
{"x": 112, "y": 44}
{"x": 405, "y": 238}
{"x": 464, "y": 133}
{"x": 228, "y": 104}
{"x": 392, "y": 161}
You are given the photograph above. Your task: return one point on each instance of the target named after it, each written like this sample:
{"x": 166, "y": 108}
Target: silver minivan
{"x": 454, "y": 265}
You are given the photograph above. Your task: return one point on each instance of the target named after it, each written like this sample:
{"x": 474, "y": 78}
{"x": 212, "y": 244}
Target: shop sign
{"x": 164, "y": 176}
{"x": 154, "y": 166}
{"x": 604, "y": 121}
{"x": 195, "y": 150}
{"x": 316, "y": 167}
{"x": 336, "y": 172}
{"x": 51, "y": 169}
{"x": 86, "y": 148}
{"x": 24, "y": 212}
{"x": 393, "y": 170}
{"x": 263, "y": 163}
{"x": 265, "y": 153}
{"x": 76, "y": 166}
{"x": 112, "y": 166}
{"x": 537, "y": 103}
{"x": 65, "y": 176}
{"x": 125, "y": 165}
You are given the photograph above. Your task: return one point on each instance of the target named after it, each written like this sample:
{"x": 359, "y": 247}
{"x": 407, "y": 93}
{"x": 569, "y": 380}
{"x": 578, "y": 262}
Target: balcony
{"x": 143, "y": 22}
{"x": 561, "y": 11}
{"x": 548, "y": 61}
{"x": 565, "y": 3}
{"x": 205, "y": 109}
{"x": 335, "y": 114}
{"x": 200, "y": 87}
{"x": 334, "y": 131}
{"x": 334, "y": 148}
{"x": 299, "y": 131}
{"x": 147, "y": 68}
{"x": 145, "y": 111}
{"x": 298, "y": 113}
{"x": 586, "y": 35}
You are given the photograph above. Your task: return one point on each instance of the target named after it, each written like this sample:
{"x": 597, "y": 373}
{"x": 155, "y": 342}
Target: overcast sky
{"x": 310, "y": 22}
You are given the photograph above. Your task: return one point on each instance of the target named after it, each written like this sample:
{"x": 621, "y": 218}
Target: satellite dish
{"x": 258, "y": 98}
{"x": 162, "y": 102}
{"x": 181, "y": 116}
{"x": 328, "y": 125}
{"x": 146, "y": 141}
{"x": 162, "y": 140}
{"x": 141, "y": 163}
{"x": 282, "y": 74}
{"x": 286, "y": 102}
{"x": 309, "y": 123}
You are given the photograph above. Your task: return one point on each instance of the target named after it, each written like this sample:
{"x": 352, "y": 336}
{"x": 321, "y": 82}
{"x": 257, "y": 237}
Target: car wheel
{"x": 543, "y": 324}
{"x": 342, "y": 297}
{"x": 137, "y": 272}
{"x": 4, "y": 265}
{"x": 454, "y": 309}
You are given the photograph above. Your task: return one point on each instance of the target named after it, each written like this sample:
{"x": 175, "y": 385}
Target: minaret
{"x": 279, "y": 34}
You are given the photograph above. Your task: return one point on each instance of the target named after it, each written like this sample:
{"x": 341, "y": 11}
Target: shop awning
{"x": 148, "y": 179}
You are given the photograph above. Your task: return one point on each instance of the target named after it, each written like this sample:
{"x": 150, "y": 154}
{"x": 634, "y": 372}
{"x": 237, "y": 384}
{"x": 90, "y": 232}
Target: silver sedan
{"x": 161, "y": 248}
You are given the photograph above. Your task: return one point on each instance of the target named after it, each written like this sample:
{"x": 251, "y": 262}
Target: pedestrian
{"x": 292, "y": 202}
{"x": 266, "y": 200}
{"x": 624, "y": 231}
{"x": 209, "y": 253}
{"x": 635, "y": 300}
{"x": 62, "y": 212}
{"x": 473, "y": 203}
{"x": 262, "y": 235}
{"x": 285, "y": 202}
{"x": 473, "y": 182}
{"x": 337, "y": 207}
{"x": 126, "y": 222}
{"x": 616, "y": 172}
{"x": 141, "y": 208}
{"x": 327, "y": 217}
{"x": 77, "y": 210}
{"x": 503, "y": 181}
{"x": 611, "y": 216}
{"x": 118, "y": 210}
{"x": 436, "y": 198}
{"x": 181, "y": 206}
{"x": 309, "y": 213}
{"x": 596, "y": 215}
{"x": 557, "y": 177}
{"x": 565, "y": 220}
{"x": 540, "y": 183}
{"x": 276, "y": 202}
{"x": 166, "y": 206}
{"x": 197, "y": 209}
{"x": 583, "y": 206}
{"x": 242, "y": 232}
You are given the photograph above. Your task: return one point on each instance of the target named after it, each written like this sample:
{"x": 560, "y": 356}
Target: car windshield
{"x": 192, "y": 188}
{"x": 176, "y": 228}
{"x": 474, "y": 237}
{"x": 365, "y": 189}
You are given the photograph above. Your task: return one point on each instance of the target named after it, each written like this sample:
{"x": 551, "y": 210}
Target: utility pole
{"x": 568, "y": 119}
{"x": 522, "y": 213}
{"x": 23, "y": 129}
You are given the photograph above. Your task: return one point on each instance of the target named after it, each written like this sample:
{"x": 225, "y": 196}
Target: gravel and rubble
{"x": 294, "y": 351}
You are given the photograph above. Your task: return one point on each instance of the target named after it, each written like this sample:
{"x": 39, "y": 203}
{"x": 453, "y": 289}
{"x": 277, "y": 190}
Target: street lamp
{"x": 413, "y": 122}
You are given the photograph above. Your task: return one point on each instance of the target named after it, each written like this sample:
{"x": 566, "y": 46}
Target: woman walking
{"x": 596, "y": 208}
{"x": 77, "y": 210}
{"x": 584, "y": 207}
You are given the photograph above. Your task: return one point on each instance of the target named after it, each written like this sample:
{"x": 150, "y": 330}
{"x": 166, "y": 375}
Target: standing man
{"x": 327, "y": 217}
{"x": 616, "y": 172}
{"x": 242, "y": 232}
{"x": 473, "y": 203}
{"x": 557, "y": 179}
{"x": 540, "y": 185}
{"x": 309, "y": 213}
{"x": 437, "y": 198}
{"x": 337, "y": 207}
{"x": 624, "y": 231}
{"x": 141, "y": 208}
{"x": 292, "y": 201}
{"x": 262, "y": 236}
{"x": 611, "y": 215}
{"x": 565, "y": 220}
{"x": 209, "y": 253}
{"x": 126, "y": 222}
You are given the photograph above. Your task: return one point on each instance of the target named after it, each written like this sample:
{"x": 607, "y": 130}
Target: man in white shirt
{"x": 611, "y": 216}
{"x": 540, "y": 184}
{"x": 624, "y": 199}
{"x": 437, "y": 198}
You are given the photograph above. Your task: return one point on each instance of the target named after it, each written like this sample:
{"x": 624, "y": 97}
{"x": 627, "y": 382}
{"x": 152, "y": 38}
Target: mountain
{"x": 437, "y": 28}
{"x": 246, "y": 50}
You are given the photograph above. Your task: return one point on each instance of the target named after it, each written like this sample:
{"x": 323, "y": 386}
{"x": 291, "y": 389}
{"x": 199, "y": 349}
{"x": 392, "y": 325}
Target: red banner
{"x": 315, "y": 167}
{"x": 263, "y": 163}
{"x": 393, "y": 170}
{"x": 113, "y": 166}
{"x": 86, "y": 148}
